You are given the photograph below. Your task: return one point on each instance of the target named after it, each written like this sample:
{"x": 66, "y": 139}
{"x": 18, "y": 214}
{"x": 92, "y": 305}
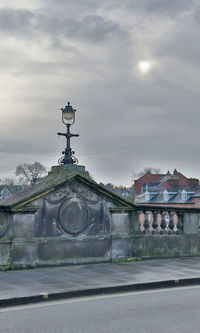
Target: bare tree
{"x": 30, "y": 172}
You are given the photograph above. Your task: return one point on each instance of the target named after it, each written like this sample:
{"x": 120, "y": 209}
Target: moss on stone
{"x": 195, "y": 251}
{"x": 128, "y": 259}
{"x": 55, "y": 258}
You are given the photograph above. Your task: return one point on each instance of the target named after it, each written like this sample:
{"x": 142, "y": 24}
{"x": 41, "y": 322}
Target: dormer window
{"x": 147, "y": 196}
{"x": 184, "y": 195}
{"x": 165, "y": 195}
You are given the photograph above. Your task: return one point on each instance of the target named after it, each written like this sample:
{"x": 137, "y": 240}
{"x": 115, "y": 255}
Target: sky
{"x": 130, "y": 68}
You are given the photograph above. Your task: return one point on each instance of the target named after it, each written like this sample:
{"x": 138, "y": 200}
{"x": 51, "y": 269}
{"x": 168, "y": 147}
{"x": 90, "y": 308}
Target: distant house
{"x": 167, "y": 190}
{"x": 7, "y": 191}
{"x": 122, "y": 191}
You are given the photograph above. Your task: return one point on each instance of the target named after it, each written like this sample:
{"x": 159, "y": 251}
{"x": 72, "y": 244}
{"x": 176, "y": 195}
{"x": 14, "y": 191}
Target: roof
{"x": 150, "y": 180}
{"x": 119, "y": 190}
{"x": 12, "y": 187}
{"x": 58, "y": 176}
{"x": 175, "y": 196}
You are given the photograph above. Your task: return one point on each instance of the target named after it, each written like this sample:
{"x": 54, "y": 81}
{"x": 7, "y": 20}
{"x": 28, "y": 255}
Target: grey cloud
{"x": 95, "y": 28}
{"x": 183, "y": 47}
{"x": 163, "y": 7}
{"x": 171, "y": 7}
{"x": 92, "y": 28}
{"x": 183, "y": 42}
{"x": 72, "y": 10}
{"x": 16, "y": 21}
{"x": 126, "y": 120}
{"x": 72, "y": 5}
{"x": 196, "y": 15}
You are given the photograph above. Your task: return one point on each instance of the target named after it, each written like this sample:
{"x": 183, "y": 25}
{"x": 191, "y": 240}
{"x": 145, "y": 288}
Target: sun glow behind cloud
{"x": 144, "y": 66}
{"x": 142, "y": 57}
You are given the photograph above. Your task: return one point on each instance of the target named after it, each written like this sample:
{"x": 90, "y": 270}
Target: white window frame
{"x": 184, "y": 195}
{"x": 147, "y": 195}
{"x": 165, "y": 195}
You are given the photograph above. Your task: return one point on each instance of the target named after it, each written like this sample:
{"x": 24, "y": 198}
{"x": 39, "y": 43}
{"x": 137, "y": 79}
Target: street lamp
{"x": 68, "y": 118}
{"x": 68, "y": 114}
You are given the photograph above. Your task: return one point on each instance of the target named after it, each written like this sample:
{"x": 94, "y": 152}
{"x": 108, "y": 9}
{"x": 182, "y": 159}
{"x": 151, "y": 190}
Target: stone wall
{"x": 70, "y": 225}
{"x": 75, "y": 224}
{"x": 155, "y": 236}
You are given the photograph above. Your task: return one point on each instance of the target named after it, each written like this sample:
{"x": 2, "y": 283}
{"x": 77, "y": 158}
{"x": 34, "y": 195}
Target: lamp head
{"x": 68, "y": 114}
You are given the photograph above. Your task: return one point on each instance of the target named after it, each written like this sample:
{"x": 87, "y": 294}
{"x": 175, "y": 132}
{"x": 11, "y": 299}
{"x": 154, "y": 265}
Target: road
{"x": 157, "y": 311}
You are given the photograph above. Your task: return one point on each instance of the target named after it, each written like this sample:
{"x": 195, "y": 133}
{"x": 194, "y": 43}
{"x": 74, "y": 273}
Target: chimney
{"x": 175, "y": 172}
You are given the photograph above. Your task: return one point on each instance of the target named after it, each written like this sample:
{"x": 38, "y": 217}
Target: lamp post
{"x": 68, "y": 118}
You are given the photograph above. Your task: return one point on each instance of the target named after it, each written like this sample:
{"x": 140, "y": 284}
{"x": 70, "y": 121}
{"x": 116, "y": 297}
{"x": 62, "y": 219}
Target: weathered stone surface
{"x": 120, "y": 224}
{"x": 74, "y": 216}
{"x": 80, "y": 249}
{"x": 191, "y": 223}
{"x": 65, "y": 218}
{"x": 121, "y": 248}
{"x": 166, "y": 245}
{"x": 73, "y": 209}
{"x": 24, "y": 225}
{"x": 134, "y": 223}
{"x": 4, "y": 223}
{"x": 5, "y": 255}
{"x": 23, "y": 254}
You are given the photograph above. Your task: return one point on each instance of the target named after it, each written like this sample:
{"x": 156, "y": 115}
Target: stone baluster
{"x": 163, "y": 223}
{"x": 179, "y": 223}
{"x": 159, "y": 218}
{"x": 146, "y": 222}
{"x": 167, "y": 216}
{"x": 171, "y": 223}
{"x": 155, "y": 222}
{"x": 140, "y": 218}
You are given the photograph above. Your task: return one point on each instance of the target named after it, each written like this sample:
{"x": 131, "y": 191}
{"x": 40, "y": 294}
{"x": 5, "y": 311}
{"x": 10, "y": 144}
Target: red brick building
{"x": 167, "y": 189}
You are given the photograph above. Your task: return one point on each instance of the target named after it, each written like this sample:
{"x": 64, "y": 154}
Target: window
{"x": 165, "y": 195}
{"x": 147, "y": 196}
{"x": 184, "y": 195}
{"x": 143, "y": 187}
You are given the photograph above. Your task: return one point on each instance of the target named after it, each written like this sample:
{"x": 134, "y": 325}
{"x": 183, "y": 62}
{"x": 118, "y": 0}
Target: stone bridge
{"x": 70, "y": 219}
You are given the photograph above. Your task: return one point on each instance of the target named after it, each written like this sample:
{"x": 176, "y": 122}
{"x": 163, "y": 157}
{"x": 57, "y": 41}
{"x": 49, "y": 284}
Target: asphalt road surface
{"x": 157, "y": 311}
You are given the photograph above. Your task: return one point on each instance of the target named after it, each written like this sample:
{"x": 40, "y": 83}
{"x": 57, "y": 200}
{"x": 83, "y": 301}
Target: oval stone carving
{"x": 73, "y": 216}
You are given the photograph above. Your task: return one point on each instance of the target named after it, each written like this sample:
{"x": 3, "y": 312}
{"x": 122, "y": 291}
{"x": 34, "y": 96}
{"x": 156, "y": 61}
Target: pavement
{"x": 41, "y": 284}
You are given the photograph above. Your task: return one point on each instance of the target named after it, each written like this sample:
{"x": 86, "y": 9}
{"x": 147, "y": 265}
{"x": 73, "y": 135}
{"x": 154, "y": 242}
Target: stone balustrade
{"x": 159, "y": 220}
